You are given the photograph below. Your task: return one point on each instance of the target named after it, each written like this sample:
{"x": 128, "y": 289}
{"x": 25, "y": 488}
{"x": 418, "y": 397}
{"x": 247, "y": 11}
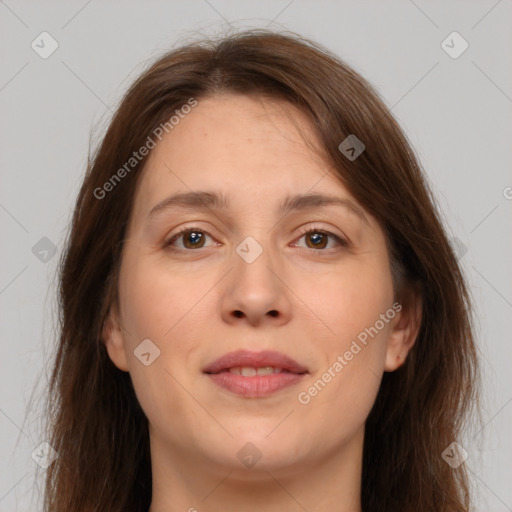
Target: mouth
{"x": 255, "y": 374}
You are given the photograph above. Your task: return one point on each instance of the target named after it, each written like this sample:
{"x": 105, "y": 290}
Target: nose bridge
{"x": 253, "y": 260}
{"x": 255, "y": 291}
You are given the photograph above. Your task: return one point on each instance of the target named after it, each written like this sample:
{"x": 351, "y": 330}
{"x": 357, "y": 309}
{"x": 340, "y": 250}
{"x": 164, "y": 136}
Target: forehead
{"x": 254, "y": 148}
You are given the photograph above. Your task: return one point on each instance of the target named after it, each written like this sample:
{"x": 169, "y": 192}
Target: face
{"x": 306, "y": 290}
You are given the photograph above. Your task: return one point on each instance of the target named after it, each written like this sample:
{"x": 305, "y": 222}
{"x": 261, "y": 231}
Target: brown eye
{"x": 191, "y": 238}
{"x": 318, "y": 239}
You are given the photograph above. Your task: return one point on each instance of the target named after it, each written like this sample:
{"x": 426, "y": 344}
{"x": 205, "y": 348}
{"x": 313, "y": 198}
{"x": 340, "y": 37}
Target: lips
{"x": 238, "y": 362}
{"x": 255, "y": 374}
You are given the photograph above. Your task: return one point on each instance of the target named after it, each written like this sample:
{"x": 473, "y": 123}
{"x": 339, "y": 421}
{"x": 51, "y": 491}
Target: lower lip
{"x": 257, "y": 385}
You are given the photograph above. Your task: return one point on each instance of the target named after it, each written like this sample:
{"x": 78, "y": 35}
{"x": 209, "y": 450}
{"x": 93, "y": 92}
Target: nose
{"x": 255, "y": 292}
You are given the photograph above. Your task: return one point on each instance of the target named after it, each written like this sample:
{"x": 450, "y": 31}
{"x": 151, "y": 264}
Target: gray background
{"x": 456, "y": 113}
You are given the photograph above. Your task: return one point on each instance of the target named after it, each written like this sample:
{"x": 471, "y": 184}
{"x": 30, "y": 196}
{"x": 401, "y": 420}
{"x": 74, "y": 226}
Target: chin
{"x": 258, "y": 451}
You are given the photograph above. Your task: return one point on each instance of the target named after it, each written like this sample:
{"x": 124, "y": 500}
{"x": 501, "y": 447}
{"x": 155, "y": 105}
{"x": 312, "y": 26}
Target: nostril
{"x": 238, "y": 313}
{"x": 273, "y": 313}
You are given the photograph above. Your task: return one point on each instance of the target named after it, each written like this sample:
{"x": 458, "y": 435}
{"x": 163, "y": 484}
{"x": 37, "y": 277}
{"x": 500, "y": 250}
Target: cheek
{"x": 157, "y": 305}
{"x": 353, "y": 349}
{"x": 156, "y": 302}
{"x": 169, "y": 308}
{"x": 352, "y": 298}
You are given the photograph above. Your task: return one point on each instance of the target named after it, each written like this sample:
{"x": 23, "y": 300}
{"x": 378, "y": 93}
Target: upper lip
{"x": 248, "y": 359}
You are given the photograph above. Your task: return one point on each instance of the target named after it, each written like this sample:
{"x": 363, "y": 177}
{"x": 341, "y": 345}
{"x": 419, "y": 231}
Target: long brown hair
{"x": 94, "y": 420}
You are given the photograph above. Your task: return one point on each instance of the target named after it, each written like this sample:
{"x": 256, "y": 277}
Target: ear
{"x": 112, "y": 337}
{"x": 405, "y": 329}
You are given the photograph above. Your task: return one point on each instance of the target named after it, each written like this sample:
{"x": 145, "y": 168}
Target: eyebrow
{"x": 218, "y": 201}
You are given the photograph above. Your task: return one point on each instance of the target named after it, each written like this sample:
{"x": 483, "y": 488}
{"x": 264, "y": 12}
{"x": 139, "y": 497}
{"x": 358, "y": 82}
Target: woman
{"x": 260, "y": 307}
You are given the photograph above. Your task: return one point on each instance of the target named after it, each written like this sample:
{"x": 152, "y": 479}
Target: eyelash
{"x": 309, "y": 229}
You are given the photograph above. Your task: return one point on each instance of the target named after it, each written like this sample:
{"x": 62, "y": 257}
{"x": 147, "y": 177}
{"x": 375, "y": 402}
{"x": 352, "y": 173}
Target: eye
{"x": 319, "y": 239}
{"x": 192, "y": 238}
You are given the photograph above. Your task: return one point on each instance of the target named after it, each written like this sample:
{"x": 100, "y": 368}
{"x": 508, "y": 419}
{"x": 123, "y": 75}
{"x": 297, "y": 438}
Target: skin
{"x": 200, "y": 304}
